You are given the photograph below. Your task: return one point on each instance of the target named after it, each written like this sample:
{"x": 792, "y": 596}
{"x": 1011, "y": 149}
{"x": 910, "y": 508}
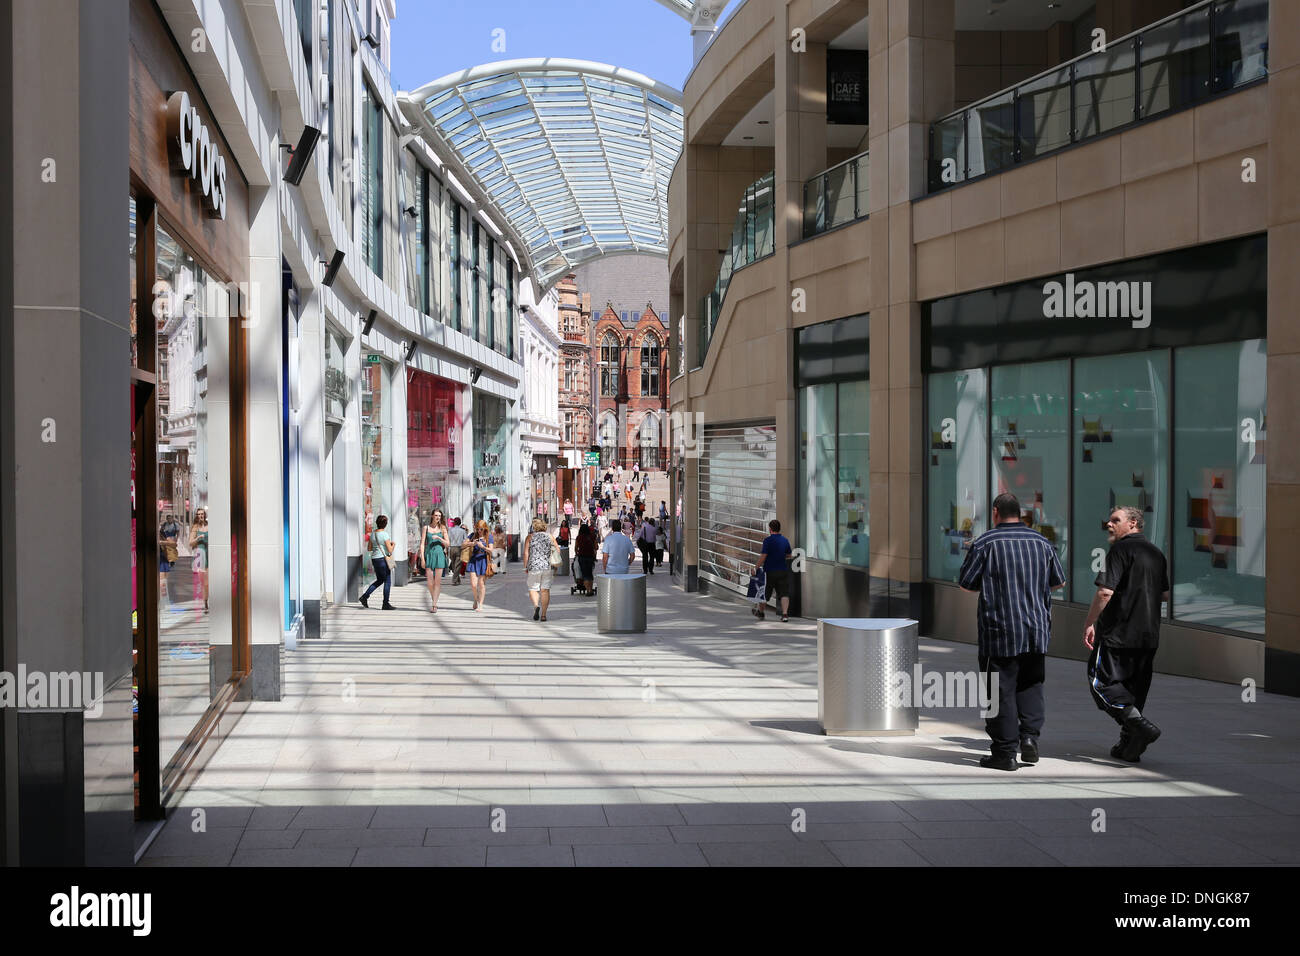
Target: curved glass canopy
{"x": 575, "y": 155}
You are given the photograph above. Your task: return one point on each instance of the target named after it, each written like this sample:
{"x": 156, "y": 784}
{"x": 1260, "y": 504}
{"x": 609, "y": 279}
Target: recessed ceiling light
{"x": 764, "y": 122}
{"x": 749, "y": 137}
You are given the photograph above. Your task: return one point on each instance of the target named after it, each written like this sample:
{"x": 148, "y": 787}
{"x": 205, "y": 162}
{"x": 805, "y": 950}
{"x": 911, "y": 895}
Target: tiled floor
{"x": 471, "y": 739}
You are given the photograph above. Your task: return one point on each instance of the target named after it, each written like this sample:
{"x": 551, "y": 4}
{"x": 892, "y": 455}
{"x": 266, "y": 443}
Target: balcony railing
{"x": 1204, "y": 51}
{"x": 836, "y": 196}
{"x": 752, "y": 238}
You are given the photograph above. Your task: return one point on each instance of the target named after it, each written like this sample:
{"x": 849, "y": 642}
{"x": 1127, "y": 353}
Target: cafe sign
{"x": 193, "y": 150}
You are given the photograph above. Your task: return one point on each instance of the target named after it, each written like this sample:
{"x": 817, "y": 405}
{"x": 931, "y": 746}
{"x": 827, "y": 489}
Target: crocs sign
{"x": 194, "y": 150}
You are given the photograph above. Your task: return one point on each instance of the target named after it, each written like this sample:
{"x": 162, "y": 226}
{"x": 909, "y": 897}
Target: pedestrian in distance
{"x": 381, "y": 549}
{"x": 480, "y": 554}
{"x": 661, "y": 544}
{"x": 1123, "y": 631}
{"x": 1014, "y": 569}
{"x": 585, "y": 552}
{"x": 456, "y": 536}
{"x": 436, "y": 544}
{"x": 568, "y": 512}
{"x": 539, "y": 547}
{"x": 645, "y": 541}
{"x": 663, "y": 511}
{"x": 617, "y": 550}
{"x": 774, "y": 559}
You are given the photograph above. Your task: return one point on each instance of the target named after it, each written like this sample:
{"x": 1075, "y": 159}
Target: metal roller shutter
{"x": 737, "y": 481}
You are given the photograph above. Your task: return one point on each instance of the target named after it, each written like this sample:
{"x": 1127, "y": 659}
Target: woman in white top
{"x": 538, "y": 548}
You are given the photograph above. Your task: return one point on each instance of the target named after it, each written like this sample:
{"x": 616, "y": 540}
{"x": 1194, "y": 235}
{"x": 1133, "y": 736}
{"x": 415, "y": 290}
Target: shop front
{"x": 435, "y": 422}
{"x": 544, "y": 484}
{"x": 1138, "y": 384}
{"x": 491, "y": 459}
{"x": 188, "y": 241}
{"x": 377, "y": 483}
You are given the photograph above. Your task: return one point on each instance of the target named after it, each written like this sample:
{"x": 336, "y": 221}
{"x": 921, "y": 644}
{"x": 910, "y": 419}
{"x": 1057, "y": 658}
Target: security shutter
{"x": 737, "y": 499}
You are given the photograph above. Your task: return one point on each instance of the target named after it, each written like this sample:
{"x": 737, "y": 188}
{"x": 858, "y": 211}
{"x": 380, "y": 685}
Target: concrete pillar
{"x": 265, "y": 549}
{"x": 351, "y": 438}
{"x": 1277, "y": 174}
{"x": 314, "y": 515}
{"x": 65, "y": 572}
{"x": 911, "y": 81}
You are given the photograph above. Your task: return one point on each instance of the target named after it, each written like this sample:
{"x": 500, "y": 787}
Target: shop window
{"x": 817, "y": 470}
{"x": 1120, "y": 454}
{"x": 852, "y": 473}
{"x": 376, "y": 450}
{"x": 957, "y": 468}
{"x": 1219, "y": 488}
{"x": 1030, "y": 447}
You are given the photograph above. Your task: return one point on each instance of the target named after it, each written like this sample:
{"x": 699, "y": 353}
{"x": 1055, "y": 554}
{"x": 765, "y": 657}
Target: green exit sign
{"x": 591, "y": 458}
{"x": 373, "y": 359}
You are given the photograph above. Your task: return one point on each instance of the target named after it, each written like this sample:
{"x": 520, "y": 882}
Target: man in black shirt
{"x": 1123, "y": 630}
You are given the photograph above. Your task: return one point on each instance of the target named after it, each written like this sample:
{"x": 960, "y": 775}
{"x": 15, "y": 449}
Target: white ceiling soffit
{"x": 698, "y": 12}
{"x": 575, "y": 155}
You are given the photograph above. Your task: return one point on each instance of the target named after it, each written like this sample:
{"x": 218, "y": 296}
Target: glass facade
{"x": 185, "y": 297}
{"x": 372, "y": 182}
{"x": 1176, "y": 433}
{"x": 433, "y": 446}
{"x": 1030, "y": 447}
{"x": 491, "y": 456}
{"x": 1219, "y": 488}
{"x": 376, "y": 450}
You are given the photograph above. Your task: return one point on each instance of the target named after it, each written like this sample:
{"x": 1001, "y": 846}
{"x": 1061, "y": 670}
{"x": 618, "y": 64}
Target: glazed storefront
{"x": 491, "y": 457}
{"x": 188, "y": 241}
{"x": 433, "y": 450}
{"x": 1139, "y": 384}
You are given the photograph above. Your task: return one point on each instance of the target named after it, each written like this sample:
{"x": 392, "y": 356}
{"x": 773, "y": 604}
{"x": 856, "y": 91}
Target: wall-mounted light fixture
{"x": 410, "y": 349}
{"x": 410, "y": 211}
{"x": 301, "y": 155}
{"x": 332, "y": 270}
{"x": 370, "y": 322}
{"x": 474, "y": 373}
{"x": 371, "y": 39}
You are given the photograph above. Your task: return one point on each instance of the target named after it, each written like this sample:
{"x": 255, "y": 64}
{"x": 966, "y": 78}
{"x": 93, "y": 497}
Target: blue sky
{"x": 432, "y": 38}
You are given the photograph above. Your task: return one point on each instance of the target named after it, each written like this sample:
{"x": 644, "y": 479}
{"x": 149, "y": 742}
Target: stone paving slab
{"x": 696, "y": 744}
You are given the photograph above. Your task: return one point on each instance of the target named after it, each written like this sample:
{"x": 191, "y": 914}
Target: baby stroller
{"x": 757, "y": 592}
{"x": 574, "y": 589}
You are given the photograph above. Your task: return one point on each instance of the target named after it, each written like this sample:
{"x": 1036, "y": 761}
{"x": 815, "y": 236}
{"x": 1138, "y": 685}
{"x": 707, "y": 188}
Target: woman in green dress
{"x": 436, "y": 544}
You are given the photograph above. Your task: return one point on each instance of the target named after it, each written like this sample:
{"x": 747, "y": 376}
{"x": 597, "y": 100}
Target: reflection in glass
{"x": 957, "y": 429}
{"x": 991, "y": 127}
{"x": 1044, "y": 106}
{"x": 1219, "y": 488}
{"x": 1121, "y": 453}
{"x": 853, "y": 474}
{"x": 185, "y": 298}
{"x": 1030, "y": 447}
{"x": 817, "y": 470}
{"x": 949, "y": 152}
{"x": 1175, "y": 70}
{"x": 1103, "y": 91}
{"x": 376, "y": 451}
{"x": 1240, "y": 42}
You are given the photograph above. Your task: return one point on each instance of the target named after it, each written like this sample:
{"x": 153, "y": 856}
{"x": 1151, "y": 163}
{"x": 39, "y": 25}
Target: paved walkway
{"x": 412, "y": 738}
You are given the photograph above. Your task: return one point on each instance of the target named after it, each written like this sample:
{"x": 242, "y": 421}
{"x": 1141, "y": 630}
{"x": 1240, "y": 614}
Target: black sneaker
{"x": 999, "y": 762}
{"x": 1029, "y": 751}
{"x": 1141, "y": 733}
{"x": 1117, "y": 751}
{"x": 388, "y": 607}
{"x": 537, "y": 613}
{"x": 364, "y": 601}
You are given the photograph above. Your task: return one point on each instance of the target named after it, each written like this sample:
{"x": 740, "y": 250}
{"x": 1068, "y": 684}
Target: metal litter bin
{"x": 620, "y": 603}
{"x": 563, "y": 570}
{"x": 857, "y": 659}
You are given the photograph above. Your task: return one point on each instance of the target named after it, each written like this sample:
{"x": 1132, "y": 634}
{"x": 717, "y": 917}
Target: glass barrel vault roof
{"x": 575, "y": 155}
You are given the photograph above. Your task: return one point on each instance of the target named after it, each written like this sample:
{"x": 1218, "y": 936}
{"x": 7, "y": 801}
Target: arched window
{"x": 649, "y": 440}
{"x": 650, "y": 365}
{"x": 609, "y": 443}
{"x": 609, "y": 364}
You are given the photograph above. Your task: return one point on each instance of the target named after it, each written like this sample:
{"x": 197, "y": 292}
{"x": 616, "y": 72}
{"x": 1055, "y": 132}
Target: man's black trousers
{"x": 1119, "y": 677}
{"x": 1019, "y": 697}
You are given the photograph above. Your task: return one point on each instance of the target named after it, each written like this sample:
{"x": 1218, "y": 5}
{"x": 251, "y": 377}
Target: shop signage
{"x": 491, "y": 460}
{"x": 373, "y": 358}
{"x": 846, "y": 87}
{"x": 194, "y": 151}
{"x": 591, "y": 458}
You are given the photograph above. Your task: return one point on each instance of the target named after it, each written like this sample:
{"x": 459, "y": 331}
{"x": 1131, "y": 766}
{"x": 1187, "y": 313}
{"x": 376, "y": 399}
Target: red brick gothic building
{"x": 630, "y": 356}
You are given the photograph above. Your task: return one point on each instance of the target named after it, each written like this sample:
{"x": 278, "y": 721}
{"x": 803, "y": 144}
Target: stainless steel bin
{"x": 857, "y": 659}
{"x": 565, "y": 561}
{"x": 620, "y": 603}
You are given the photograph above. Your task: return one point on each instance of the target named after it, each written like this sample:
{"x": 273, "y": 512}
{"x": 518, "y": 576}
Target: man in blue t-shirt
{"x": 616, "y": 553}
{"x": 773, "y": 559}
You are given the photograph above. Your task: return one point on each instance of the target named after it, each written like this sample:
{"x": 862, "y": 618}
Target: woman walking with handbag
{"x": 541, "y": 555}
{"x": 381, "y": 550}
{"x": 436, "y": 542}
{"x": 477, "y": 566}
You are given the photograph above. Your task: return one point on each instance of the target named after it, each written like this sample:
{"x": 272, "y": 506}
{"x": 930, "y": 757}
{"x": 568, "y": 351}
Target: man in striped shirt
{"x": 1014, "y": 569}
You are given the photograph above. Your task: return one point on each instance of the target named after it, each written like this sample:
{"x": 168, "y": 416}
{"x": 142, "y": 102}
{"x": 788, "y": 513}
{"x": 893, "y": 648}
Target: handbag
{"x": 555, "y": 555}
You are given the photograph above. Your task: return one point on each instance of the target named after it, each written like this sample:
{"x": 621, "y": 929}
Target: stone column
{"x": 1278, "y": 174}
{"x": 911, "y": 81}
{"x": 65, "y": 569}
